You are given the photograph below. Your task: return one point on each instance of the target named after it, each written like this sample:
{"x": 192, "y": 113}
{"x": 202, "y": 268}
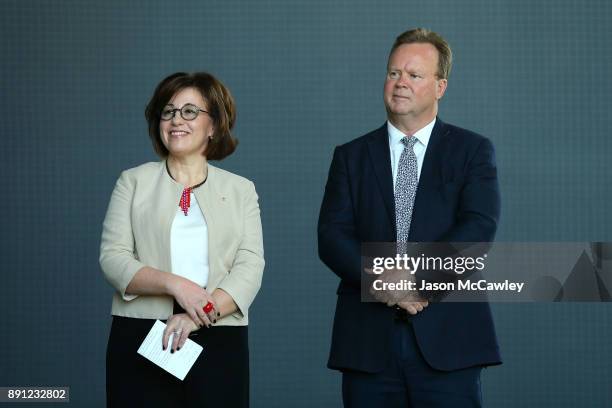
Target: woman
{"x": 182, "y": 243}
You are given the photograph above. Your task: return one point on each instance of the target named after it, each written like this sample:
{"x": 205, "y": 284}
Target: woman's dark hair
{"x": 219, "y": 103}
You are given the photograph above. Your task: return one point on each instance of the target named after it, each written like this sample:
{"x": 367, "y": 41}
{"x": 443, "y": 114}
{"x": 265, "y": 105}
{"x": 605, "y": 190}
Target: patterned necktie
{"x": 405, "y": 188}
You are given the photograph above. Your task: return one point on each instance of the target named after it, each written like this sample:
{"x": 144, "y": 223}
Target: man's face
{"x": 412, "y": 88}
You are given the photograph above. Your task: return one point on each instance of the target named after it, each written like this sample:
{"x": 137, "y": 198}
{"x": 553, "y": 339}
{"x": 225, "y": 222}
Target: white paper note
{"x": 178, "y": 363}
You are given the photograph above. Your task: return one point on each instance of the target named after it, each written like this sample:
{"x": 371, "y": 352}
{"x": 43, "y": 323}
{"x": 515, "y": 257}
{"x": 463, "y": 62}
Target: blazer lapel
{"x": 431, "y": 174}
{"x": 378, "y": 147}
{"x": 169, "y": 193}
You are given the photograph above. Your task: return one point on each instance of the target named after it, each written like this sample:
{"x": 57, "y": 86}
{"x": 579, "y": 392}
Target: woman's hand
{"x": 192, "y": 298}
{"x": 181, "y": 325}
{"x": 224, "y": 303}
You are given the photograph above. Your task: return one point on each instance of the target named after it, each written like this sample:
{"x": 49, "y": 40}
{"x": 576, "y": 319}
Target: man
{"x": 415, "y": 179}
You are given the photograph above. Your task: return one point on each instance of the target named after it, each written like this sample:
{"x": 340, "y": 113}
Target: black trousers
{"x": 219, "y": 377}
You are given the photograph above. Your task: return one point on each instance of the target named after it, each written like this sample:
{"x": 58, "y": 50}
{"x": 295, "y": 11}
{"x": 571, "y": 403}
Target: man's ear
{"x": 441, "y": 88}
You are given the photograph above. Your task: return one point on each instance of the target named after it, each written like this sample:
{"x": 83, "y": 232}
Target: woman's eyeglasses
{"x": 188, "y": 112}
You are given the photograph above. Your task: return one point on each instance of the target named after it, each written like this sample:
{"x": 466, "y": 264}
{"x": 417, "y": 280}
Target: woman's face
{"x": 186, "y": 137}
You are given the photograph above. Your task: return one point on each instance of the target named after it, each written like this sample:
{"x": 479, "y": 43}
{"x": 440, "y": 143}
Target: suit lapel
{"x": 378, "y": 147}
{"x": 430, "y": 172}
{"x": 428, "y": 181}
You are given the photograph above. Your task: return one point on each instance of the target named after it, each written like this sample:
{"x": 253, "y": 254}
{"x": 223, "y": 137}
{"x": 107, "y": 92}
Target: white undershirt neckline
{"x": 189, "y": 244}
{"x": 396, "y": 147}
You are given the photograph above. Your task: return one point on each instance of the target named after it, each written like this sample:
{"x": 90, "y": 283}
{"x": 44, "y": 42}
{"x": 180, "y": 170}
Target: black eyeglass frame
{"x": 180, "y": 110}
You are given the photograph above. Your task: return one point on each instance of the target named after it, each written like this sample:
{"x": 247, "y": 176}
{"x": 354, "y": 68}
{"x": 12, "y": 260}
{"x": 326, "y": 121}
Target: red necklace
{"x": 185, "y": 202}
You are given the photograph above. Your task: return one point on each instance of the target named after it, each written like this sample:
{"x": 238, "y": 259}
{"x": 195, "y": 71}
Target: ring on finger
{"x": 208, "y": 307}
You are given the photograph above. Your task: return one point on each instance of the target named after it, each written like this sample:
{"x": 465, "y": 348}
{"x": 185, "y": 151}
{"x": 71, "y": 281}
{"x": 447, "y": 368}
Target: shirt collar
{"x": 422, "y": 135}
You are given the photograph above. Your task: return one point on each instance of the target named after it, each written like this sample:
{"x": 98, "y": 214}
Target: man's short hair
{"x": 423, "y": 35}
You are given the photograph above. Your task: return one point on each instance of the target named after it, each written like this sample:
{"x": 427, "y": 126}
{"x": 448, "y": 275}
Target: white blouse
{"x": 189, "y": 244}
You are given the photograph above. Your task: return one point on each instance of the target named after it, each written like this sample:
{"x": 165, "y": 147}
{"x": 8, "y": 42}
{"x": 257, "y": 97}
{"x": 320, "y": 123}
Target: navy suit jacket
{"x": 457, "y": 200}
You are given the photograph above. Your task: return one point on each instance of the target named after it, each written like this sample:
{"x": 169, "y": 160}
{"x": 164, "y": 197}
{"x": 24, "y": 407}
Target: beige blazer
{"x": 136, "y": 233}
